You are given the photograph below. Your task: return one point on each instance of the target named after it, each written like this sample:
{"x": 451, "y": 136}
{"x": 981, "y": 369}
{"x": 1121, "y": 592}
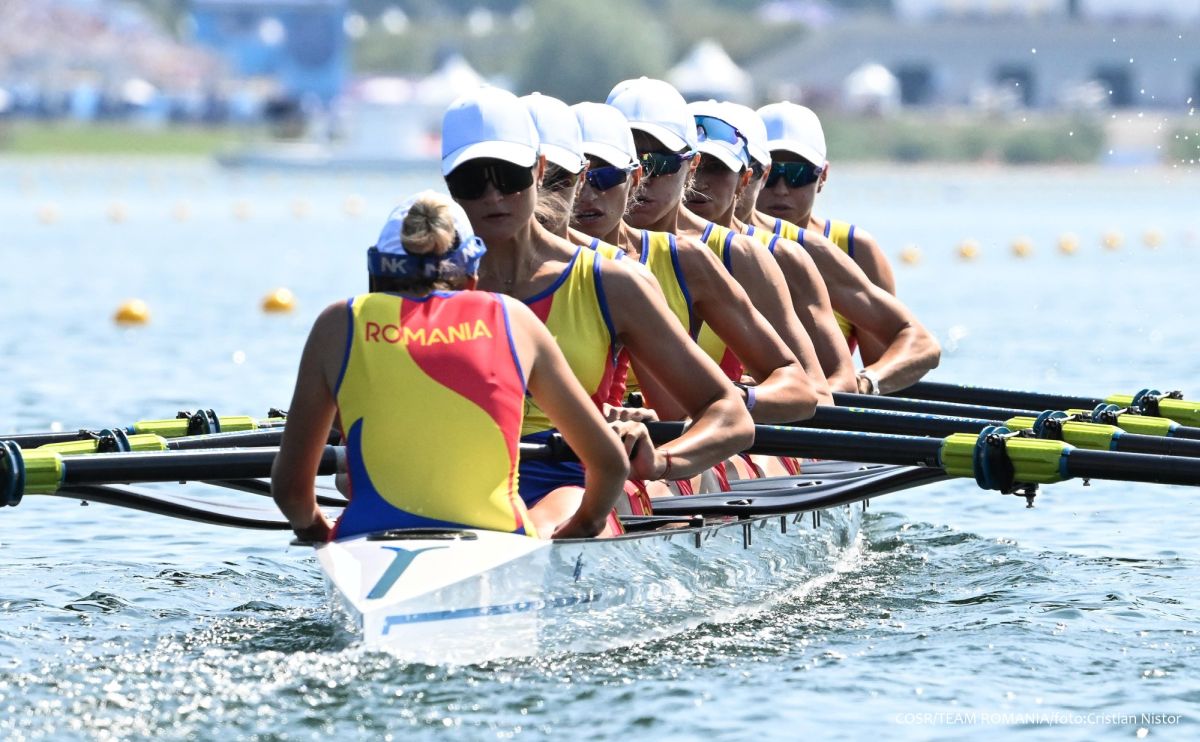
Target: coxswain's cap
{"x": 389, "y": 257}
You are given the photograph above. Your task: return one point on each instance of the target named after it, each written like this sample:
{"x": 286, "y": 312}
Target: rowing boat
{"x": 442, "y": 596}
{"x": 453, "y": 597}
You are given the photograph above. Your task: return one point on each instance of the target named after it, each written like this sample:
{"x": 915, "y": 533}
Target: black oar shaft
{"x": 33, "y": 440}
{"x": 929, "y": 407}
{"x": 888, "y": 421}
{"x": 966, "y": 394}
{"x": 180, "y": 466}
{"x": 1133, "y": 467}
{"x": 873, "y": 448}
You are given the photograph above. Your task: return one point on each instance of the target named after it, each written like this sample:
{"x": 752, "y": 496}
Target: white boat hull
{"x": 482, "y": 595}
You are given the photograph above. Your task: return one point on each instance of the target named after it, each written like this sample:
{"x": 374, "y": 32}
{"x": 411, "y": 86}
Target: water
{"x": 960, "y": 613}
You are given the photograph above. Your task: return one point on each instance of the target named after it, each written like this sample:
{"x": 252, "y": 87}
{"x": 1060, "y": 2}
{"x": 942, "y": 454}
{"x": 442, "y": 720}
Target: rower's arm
{"x": 310, "y": 416}
{"x": 910, "y": 350}
{"x": 720, "y": 425}
{"x": 784, "y": 392}
{"x": 758, "y": 273}
{"x": 870, "y": 257}
{"x": 557, "y": 391}
{"x": 811, "y": 301}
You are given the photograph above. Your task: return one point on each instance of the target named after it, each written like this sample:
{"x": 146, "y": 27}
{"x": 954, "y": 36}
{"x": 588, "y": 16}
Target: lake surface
{"x": 960, "y": 612}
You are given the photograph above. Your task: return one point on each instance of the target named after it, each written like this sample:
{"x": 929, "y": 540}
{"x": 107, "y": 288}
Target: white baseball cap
{"x": 558, "y": 130}
{"x": 733, "y": 156}
{"x": 657, "y": 108}
{"x": 751, "y": 125}
{"x": 488, "y": 122}
{"x": 794, "y": 128}
{"x": 606, "y": 134}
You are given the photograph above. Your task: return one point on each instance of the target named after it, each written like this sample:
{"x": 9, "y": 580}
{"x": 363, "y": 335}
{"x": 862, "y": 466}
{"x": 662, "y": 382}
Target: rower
{"x": 427, "y": 382}
{"x": 750, "y": 319}
{"x": 593, "y": 306}
{"x": 896, "y": 349}
{"x": 562, "y": 146}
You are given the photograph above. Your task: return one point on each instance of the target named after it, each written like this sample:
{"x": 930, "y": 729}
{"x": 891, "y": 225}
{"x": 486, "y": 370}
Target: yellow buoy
{"x": 354, "y": 206}
{"x": 241, "y": 210}
{"x": 182, "y": 211}
{"x": 279, "y": 300}
{"x": 1022, "y": 247}
{"x": 1153, "y": 238}
{"x": 117, "y": 212}
{"x": 910, "y": 255}
{"x": 300, "y": 208}
{"x": 1068, "y": 244}
{"x": 132, "y": 312}
{"x": 1112, "y": 240}
{"x": 968, "y": 249}
{"x": 48, "y": 213}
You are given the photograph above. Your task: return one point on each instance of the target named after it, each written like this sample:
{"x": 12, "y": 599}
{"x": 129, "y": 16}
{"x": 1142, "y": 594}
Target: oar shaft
{"x": 180, "y": 466}
{"x": 929, "y": 407}
{"x": 966, "y": 394}
{"x": 1133, "y": 467}
{"x": 872, "y": 448}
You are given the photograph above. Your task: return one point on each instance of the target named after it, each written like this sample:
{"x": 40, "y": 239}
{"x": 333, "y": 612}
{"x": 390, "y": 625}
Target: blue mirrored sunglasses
{"x": 603, "y": 178}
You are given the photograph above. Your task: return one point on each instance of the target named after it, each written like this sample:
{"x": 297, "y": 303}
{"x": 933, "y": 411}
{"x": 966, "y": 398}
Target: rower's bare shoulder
{"x": 795, "y": 260}
{"x": 624, "y": 280}
{"x": 696, "y": 258}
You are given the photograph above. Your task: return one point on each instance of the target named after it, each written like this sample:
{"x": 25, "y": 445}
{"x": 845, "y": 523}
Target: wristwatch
{"x": 749, "y": 392}
{"x": 872, "y": 380}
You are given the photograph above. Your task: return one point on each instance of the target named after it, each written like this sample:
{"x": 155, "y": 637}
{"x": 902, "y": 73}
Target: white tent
{"x": 453, "y": 78}
{"x": 708, "y": 72}
{"x": 871, "y": 88}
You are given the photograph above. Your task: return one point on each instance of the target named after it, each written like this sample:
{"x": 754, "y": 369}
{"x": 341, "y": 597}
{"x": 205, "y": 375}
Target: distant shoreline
{"x": 926, "y": 139}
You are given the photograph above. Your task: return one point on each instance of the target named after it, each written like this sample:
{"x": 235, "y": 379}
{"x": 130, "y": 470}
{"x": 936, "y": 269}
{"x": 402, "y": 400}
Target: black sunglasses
{"x": 604, "y": 178}
{"x": 469, "y": 180}
{"x": 795, "y": 174}
{"x": 663, "y": 163}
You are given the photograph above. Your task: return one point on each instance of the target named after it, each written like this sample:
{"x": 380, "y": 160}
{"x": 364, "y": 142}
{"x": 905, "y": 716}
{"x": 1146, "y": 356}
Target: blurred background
{"x": 362, "y": 83}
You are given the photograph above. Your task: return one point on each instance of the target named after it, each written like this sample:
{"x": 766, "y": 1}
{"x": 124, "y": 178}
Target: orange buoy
{"x": 968, "y": 249}
{"x": 1112, "y": 240}
{"x": 1153, "y": 238}
{"x": 280, "y": 300}
{"x": 910, "y": 255}
{"x": 1022, "y": 247}
{"x": 1068, "y": 244}
{"x": 132, "y": 312}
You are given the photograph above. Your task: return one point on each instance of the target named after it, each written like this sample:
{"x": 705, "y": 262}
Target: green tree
{"x": 579, "y": 49}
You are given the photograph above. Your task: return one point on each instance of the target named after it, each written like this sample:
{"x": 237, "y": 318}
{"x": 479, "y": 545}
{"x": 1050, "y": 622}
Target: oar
{"x": 41, "y": 471}
{"x": 1102, "y": 414}
{"x": 996, "y": 457}
{"x": 1055, "y": 425}
{"x": 201, "y": 422}
{"x": 1171, "y": 405}
{"x": 160, "y": 505}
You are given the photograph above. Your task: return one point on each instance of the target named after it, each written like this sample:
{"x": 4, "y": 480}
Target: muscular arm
{"x": 556, "y": 390}
{"x": 869, "y": 256}
{"x": 720, "y": 426}
{"x": 784, "y": 392}
{"x": 811, "y": 301}
{"x": 910, "y": 350}
{"x": 309, "y": 417}
{"x": 758, "y": 273}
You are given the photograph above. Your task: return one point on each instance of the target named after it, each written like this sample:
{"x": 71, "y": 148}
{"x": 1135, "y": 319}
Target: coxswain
{"x": 427, "y": 382}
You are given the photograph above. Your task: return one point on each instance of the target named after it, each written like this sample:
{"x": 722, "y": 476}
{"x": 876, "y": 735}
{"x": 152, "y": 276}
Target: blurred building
{"x": 1051, "y": 62}
{"x": 299, "y": 45}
